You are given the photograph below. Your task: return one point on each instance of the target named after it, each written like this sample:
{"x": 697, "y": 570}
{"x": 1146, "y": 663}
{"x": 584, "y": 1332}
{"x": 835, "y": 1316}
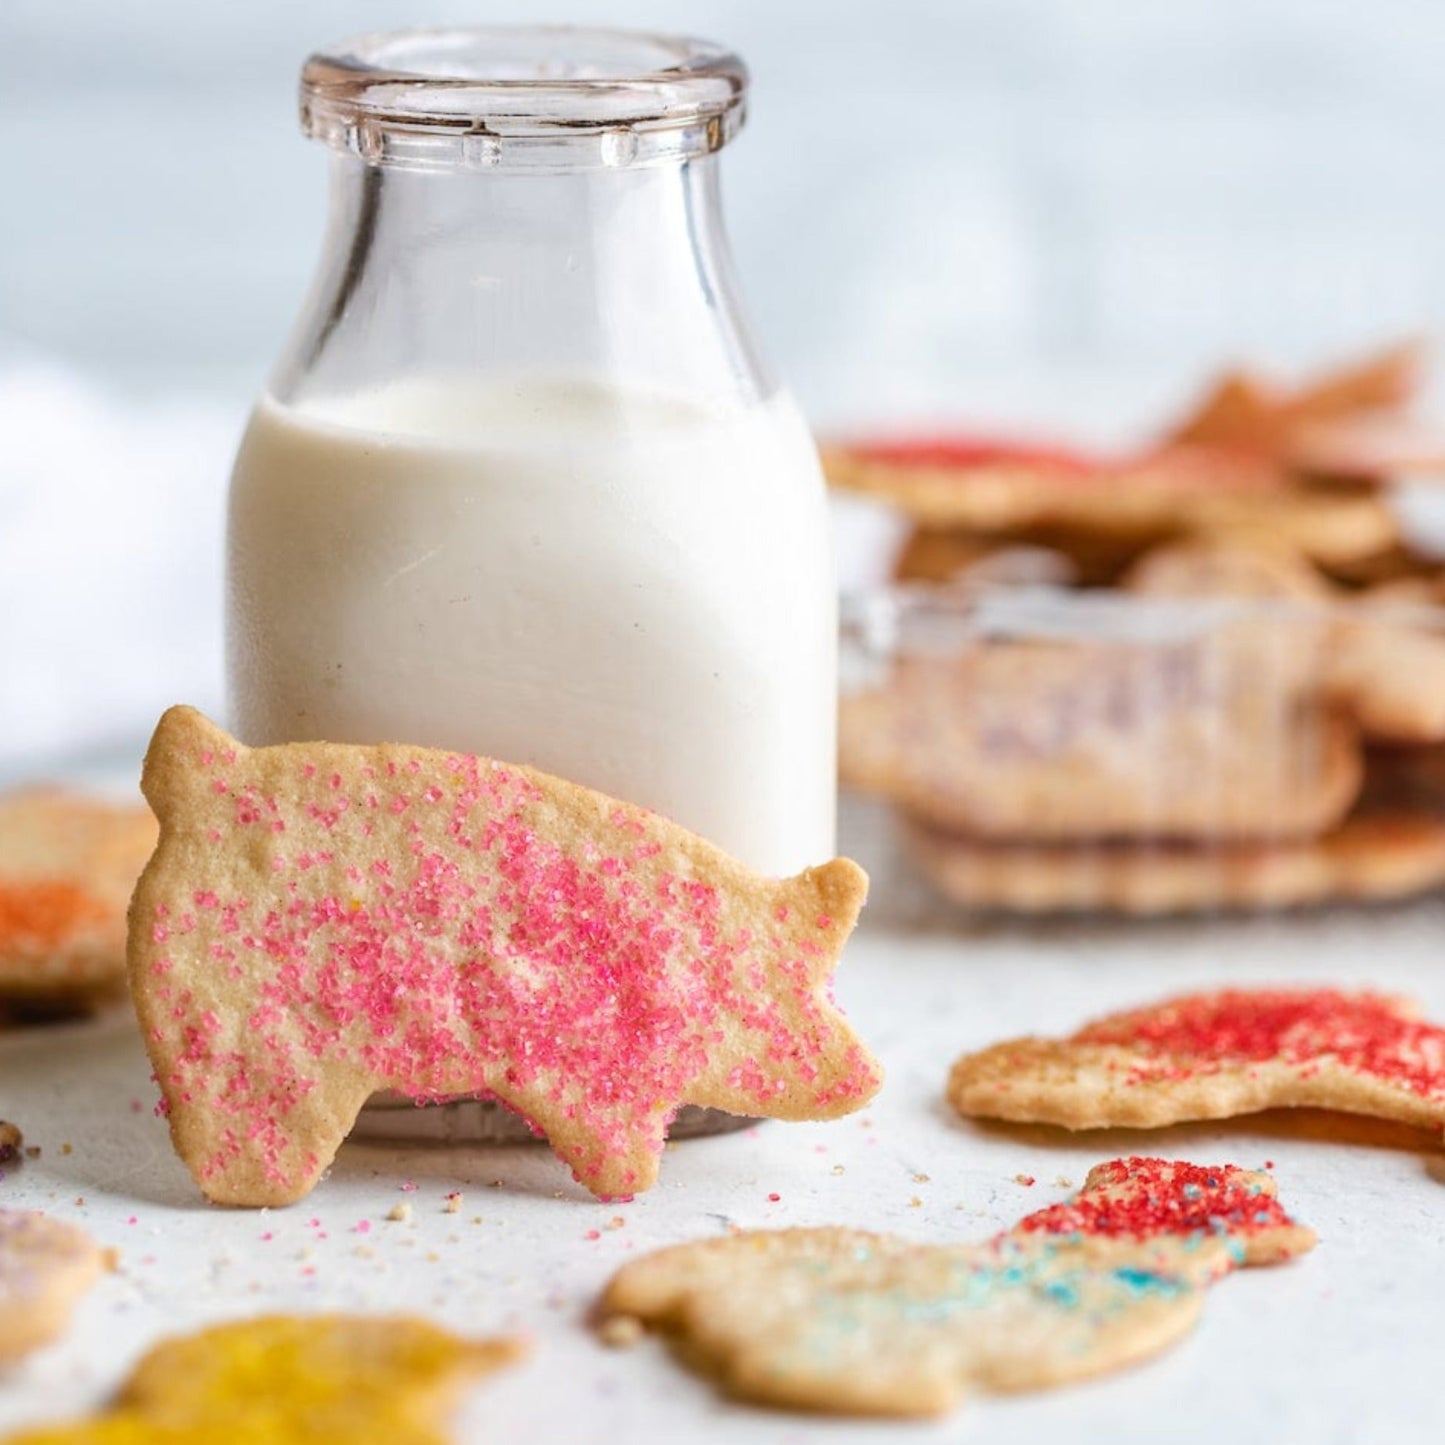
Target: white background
{"x": 986, "y": 209}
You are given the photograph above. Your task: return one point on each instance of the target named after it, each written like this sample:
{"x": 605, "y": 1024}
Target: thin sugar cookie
{"x": 68, "y": 864}
{"x": 321, "y": 922}
{"x": 292, "y": 1380}
{"x": 1045, "y": 740}
{"x": 849, "y": 1322}
{"x": 1372, "y": 857}
{"x": 1215, "y": 1055}
{"x": 46, "y": 1266}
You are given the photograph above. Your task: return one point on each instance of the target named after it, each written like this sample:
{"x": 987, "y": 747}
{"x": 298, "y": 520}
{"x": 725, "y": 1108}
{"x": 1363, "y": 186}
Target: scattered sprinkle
{"x": 774, "y": 1198}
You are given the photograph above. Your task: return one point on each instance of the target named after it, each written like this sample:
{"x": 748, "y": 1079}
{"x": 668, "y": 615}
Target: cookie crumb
{"x": 399, "y": 1213}
{"x": 66, "y": 1149}
{"x": 915, "y": 1203}
{"x": 12, "y": 1141}
{"x": 453, "y": 1202}
{"x": 616, "y": 1222}
{"x": 1062, "y": 1181}
{"x": 838, "y": 1169}
{"x": 920, "y": 1179}
{"x": 621, "y": 1332}
{"x": 1027, "y": 1180}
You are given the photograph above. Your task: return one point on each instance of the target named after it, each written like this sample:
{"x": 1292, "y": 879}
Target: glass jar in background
{"x": 522, "y": 484}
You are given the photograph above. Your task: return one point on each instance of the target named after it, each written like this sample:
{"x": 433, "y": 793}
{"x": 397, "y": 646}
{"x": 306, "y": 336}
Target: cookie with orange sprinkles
{"x": 1215, "y": 1055}
{"x": 292, "y": 1380}
{"x": 321, "y": 922}
{"x": 46, "y": 1267}
{"x": 850, "y": 1322}
{"x": 68, "y": 864}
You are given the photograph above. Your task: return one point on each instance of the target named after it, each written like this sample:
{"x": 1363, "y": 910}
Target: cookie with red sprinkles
{"x": 1215, "y": 1055}
{"x": 850, "y": 1322}
{"x": 321, "y": 922}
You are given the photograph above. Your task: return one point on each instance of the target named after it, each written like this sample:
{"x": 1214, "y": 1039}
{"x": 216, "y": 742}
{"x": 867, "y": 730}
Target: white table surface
{"x": 1343, "y": 1345}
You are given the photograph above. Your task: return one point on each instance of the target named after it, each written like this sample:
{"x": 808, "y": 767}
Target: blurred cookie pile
{"x": 1209, "y": 676}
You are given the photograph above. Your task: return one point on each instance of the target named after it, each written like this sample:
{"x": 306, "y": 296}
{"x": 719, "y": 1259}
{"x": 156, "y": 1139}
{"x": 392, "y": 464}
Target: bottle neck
{"x": 624, "y": 273}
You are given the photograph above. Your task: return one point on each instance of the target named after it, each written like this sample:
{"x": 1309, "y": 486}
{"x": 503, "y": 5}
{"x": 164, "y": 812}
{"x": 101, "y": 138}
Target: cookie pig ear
{"x": 182, "y": 751}
{"x": 830, "y": 897}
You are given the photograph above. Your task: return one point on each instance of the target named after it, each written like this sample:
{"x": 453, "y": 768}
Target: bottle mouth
{"x": 523, "y": 98}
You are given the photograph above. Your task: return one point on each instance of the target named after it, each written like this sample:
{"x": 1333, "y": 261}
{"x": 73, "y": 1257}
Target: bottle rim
{"x": 523, "y": 97}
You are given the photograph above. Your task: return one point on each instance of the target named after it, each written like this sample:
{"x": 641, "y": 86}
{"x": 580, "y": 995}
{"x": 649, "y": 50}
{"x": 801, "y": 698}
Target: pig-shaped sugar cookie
{"x": 320, "y": 922}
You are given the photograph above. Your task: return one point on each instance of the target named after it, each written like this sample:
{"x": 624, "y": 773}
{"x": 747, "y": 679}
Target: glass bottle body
{"x": 521, "y": 486}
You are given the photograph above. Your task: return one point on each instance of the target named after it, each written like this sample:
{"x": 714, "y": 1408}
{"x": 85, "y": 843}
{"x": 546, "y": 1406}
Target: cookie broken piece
{"x": 46, "y": 1266}
{"x": 857, "y": 1323}
{"x": 291, "y": 1380}
{"x": 321, "y": 922}
{"x": 68, "y": 864}
{"x": 1215, "y": 1055}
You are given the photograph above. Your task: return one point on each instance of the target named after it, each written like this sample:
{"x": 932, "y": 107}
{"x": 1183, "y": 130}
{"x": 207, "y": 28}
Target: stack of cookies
{"x": 1250, "y": 711}
{"x": 1308, "y": 467}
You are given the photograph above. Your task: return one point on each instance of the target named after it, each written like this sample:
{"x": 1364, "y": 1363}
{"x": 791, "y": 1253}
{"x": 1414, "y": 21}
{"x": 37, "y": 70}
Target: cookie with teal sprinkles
{"x": 850, "y": 1322}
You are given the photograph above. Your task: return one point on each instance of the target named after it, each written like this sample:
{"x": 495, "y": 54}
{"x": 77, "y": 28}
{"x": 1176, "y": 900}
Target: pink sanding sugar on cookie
{"x": 443, "y": 925}
{"x": 1368, "y": 1033}
{"x": 1215, "y": 1056}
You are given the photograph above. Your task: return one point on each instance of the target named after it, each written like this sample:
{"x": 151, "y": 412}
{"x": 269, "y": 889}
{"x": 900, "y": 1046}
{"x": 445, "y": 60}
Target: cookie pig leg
{"x": 257, "y": 1146}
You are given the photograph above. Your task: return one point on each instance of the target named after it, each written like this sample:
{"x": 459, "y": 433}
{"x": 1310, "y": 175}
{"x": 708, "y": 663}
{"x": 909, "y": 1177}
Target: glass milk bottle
{"x": 522, "y": 484}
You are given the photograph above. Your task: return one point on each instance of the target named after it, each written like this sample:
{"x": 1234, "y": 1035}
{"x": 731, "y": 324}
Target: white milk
{"x": 623, "y": 588}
